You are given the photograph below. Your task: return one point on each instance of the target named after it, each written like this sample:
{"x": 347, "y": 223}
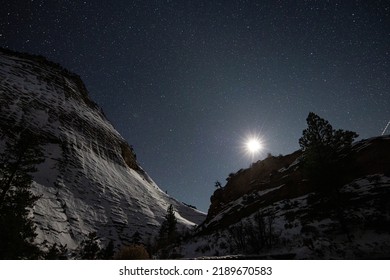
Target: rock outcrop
{"x": 271, "y": 210}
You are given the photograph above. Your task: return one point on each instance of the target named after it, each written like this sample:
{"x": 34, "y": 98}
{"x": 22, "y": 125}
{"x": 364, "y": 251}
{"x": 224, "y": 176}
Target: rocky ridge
{"x": 272, "y": 211}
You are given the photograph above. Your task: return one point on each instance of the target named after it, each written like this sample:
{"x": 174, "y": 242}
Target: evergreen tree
{"x": 89, "y": 248}
{"x": 168, "y": 230}
{"x": 17, "y": 230}
{"x": 108, "y": 252}
{"x": 18, "y": 162}
{"x": 327, "y": 161}
{"x": 325, "y": 150}
{"x": 322, "y": 139}
{"x": 136, "y": 238}
{"x": 57, "y": 252}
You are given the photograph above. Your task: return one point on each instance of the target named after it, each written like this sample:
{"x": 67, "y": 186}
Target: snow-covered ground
{"x": 301, "y": 233}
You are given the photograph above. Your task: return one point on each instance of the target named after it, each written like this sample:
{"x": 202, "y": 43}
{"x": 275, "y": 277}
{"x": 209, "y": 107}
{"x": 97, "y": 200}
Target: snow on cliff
{"x": 90, "y": 180}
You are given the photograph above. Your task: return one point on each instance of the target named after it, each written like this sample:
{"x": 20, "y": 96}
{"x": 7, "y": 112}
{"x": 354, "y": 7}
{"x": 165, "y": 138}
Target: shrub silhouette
{"x": 133, "y": 252}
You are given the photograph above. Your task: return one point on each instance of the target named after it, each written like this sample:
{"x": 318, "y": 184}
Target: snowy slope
{"x": 90, "y": 180}
{"x": 301, "y": 233}
{"x": 298, "y": 222}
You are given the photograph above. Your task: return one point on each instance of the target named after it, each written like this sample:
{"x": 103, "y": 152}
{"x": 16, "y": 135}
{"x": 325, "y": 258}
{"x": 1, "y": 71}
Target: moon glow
{"x": 253, "y": 145}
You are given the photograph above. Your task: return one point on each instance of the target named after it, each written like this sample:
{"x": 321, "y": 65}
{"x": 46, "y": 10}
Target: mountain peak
{"x": 90, "y": 180}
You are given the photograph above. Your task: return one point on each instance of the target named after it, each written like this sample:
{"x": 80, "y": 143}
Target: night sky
{"x": 187, "y": 82}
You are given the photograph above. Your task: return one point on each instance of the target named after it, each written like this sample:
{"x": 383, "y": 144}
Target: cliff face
{"x": 90, "y": 180}
{"x": 271, "y": 210}
{"x": 282, "y": 177}
{"x": 262, "y": 175}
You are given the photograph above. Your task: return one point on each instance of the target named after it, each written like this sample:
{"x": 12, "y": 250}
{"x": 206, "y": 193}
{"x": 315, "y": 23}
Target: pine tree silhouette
{"x": 89, "y": 247}
{"x": 325, "y": 150}
{"x": 168, "y": 230}
{"x": 17, "y": 230}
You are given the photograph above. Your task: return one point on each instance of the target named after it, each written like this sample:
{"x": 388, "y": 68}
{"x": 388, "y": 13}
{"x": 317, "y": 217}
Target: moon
{"x": 253, "y": 145}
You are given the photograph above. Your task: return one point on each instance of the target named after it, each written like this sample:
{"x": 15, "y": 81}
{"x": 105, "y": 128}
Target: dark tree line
{"x": 17, "y": 163}
{"x": 253, "y": 236}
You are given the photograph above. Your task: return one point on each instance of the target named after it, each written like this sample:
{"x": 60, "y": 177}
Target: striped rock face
{"x": 90, "y": 180}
